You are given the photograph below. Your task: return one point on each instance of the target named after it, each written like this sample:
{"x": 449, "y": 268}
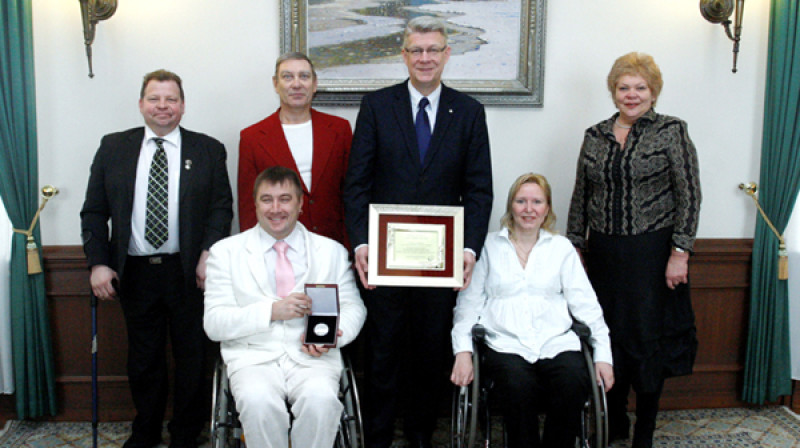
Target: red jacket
{"x": 263, "y": 145}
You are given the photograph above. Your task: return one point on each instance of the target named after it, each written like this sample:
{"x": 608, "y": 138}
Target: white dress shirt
{"x": 529, "y": 311}
{"x": 430, "y": 109}
{"x": 172, "y": 147}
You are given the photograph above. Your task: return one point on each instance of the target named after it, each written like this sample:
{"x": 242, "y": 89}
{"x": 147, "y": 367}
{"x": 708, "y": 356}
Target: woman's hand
{"x": 462, "y": 369}
{"x": 605, "y": 374}
{"x": 677, "y": 269}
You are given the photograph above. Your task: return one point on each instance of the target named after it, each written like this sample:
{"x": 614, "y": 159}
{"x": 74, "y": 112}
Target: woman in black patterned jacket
{"x": 633, "y": 217}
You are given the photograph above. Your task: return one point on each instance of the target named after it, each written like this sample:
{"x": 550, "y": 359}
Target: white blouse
{"x": 529, "y": 311}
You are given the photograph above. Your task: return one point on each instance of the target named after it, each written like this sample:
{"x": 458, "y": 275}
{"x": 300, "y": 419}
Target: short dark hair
{"x": 294, "y": 56}
{"x": 276, "y": 175}
{"x": 161, "y": 75}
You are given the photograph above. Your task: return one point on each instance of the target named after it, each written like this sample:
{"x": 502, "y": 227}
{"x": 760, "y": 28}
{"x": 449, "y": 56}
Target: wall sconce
{"x": 719, "y": 11}
{"x": 93, "y": 11}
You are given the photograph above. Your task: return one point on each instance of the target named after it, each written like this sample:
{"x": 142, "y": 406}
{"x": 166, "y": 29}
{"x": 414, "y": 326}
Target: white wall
{"x": 225, "y": 51}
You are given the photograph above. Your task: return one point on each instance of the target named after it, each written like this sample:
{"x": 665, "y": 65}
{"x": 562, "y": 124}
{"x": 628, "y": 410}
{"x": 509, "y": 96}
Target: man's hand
{"x": 200, "y": 271}
{"x": 317, "y": 350}
{"x": 677, "y": 269}
{"x": 291, "y": 307}
{"x": 100, "y": 280}
{"x": 605, "y": 373}
{"x": 469, "y": 265}
{"x": 462, "y": 369}
{"x": 362, "y": 265}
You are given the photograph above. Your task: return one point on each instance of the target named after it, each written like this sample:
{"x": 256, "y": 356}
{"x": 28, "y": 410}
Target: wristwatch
{"x": 679, "y": 250}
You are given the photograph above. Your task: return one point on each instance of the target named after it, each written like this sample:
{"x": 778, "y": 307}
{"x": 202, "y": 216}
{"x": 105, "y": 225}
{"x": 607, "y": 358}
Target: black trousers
{"x": 625, "y": 371}
{"x": 559, "y": 387}
{"x": 157, "y": 303}
{"x": 407, "y": 335}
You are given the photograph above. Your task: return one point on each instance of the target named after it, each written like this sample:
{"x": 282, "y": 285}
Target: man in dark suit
{"x": 313, "y": 144}
{"x": 167, "y": 193}
{"x": 418, "y": 142}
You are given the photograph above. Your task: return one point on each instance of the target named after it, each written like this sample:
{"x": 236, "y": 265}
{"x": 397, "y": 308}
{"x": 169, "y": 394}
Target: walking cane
{"x": 94, "y": 370}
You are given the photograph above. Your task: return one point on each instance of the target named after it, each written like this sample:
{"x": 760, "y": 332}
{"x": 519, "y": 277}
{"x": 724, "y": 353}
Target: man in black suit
{"x": 417, "y": 142}
{"x": 167, "y": 193}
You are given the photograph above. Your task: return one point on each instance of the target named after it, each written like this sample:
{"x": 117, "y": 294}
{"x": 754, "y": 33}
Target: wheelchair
{"x": 226, "y": 429}
{"x": 471, "y": 423}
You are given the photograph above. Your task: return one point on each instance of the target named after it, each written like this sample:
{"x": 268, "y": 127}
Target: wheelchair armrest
{"x": 582, "y": 330}
{"x": 479, "y": 333}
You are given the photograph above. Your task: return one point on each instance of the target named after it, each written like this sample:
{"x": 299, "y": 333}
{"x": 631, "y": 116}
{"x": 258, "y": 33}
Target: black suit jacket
{"x": 205, "y": 200}
{"x": 385, "y": 167}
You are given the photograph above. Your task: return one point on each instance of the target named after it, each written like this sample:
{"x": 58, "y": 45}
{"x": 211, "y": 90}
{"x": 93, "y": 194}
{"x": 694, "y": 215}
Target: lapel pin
{"x": 188, "y": 164}
{"x": 450, "y": 110}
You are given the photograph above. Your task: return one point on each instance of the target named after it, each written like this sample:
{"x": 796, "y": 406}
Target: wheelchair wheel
{"x": 464, "y": 416}
{"x": 225, "y": 431}
{"x": 595, "y": 421}
{"x": 351, "y": 429}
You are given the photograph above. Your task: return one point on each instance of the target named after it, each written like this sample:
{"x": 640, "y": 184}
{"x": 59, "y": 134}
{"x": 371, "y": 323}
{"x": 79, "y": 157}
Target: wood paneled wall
{"x": 720, "y": 277}
{"x": 719, "y": 273}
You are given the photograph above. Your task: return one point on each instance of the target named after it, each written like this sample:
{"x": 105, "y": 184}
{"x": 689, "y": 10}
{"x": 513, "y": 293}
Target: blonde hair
{"x": 507, "y": 220}
{"x": 636, "y": 64}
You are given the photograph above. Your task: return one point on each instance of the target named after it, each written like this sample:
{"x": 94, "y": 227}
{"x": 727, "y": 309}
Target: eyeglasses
{"x": 432, "y": 52}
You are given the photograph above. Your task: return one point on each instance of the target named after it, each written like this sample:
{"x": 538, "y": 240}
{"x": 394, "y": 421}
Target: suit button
{"x": 422, "y": 180}
{"x": 310, "y": 201}
{"x": 315, "y": 228}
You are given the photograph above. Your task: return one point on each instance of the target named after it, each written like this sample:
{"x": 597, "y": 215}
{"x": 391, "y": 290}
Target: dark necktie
{"x": 156, "y": 229}
{"x": 423, "y": 125}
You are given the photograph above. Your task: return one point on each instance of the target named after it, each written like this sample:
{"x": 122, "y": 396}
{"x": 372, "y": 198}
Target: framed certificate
{"x": 416, "y": 245}
{"x": 323, "y": 322}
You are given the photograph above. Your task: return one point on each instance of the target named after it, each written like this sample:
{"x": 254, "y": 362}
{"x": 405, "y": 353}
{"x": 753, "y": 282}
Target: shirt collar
{"x": 294, "y": 240}
{"x": 649, "y": 116}
{"x": 416, "y": 96}
{"x": 543, "y": 234}
{"x": 174, "y": 137}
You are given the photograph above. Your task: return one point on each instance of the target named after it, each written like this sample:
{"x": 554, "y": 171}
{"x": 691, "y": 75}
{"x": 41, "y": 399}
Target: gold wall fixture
{"x": 93, "y": 11}
{"x": 34, "y": 263}
{"x": 719, "y": 11}
{"x": 751, "y": 189}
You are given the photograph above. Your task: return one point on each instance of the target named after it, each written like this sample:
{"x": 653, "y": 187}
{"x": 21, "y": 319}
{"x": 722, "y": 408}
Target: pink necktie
{"x": 284, "y": 275}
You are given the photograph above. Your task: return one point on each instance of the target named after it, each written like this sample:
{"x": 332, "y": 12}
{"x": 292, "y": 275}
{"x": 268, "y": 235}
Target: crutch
{"x": 94, "y": 370}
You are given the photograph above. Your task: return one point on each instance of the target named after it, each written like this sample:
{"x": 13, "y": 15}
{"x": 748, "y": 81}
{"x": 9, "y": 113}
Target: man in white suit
{"x": 256, "y": 310}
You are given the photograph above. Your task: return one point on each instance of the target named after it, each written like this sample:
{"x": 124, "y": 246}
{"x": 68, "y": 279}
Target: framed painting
{"x": 497, "y": 46}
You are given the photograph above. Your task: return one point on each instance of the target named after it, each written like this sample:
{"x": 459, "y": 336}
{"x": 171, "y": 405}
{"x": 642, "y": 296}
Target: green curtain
{"x": 34, "y": 378}
{"x": 767, "y": 372}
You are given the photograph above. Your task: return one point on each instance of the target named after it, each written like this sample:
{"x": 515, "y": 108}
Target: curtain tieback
{"x": 34, "y": 263}
{"x": 783, "y": 253}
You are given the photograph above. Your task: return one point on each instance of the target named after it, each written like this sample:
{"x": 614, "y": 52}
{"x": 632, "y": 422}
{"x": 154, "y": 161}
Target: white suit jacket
{"x": 238, "y": 301}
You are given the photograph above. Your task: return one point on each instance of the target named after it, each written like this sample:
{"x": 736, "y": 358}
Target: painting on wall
{"x": 497, "y": 46}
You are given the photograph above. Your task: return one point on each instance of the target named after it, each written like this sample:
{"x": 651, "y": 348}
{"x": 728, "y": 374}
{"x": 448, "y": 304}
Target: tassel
{"x": 783, "y": 262}
{"x": 34, "y": 264}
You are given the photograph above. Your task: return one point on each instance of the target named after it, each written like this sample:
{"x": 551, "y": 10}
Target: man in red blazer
{"x": 313, "y": 144}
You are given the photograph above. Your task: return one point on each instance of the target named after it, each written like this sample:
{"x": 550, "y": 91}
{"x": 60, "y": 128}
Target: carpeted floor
{"x": 768, "y": 427}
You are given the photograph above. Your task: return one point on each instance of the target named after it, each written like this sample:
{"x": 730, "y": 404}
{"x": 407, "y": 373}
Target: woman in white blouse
{"x": 527, "y": 287}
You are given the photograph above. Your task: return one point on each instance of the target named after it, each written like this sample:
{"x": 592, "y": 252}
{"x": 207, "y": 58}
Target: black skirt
{"x": 649, "y": 323}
